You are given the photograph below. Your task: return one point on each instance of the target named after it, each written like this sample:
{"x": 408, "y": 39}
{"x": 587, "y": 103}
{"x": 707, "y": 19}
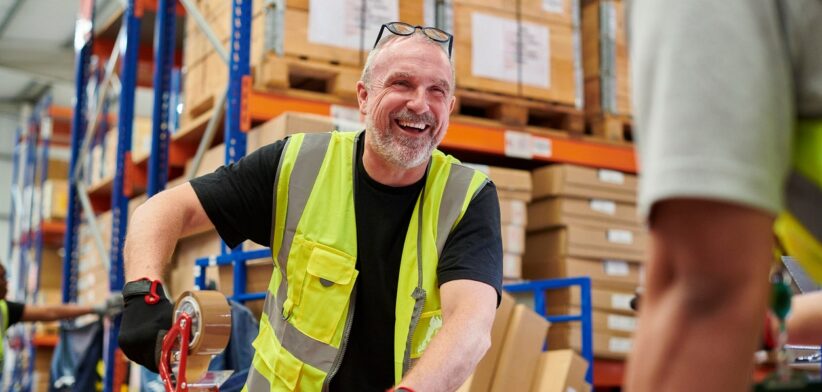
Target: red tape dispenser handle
{"x": 180, "y": 331}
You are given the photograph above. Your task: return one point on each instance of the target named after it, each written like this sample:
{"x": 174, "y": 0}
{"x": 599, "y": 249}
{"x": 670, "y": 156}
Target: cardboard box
{"x": 181, "y": 276}
{"x": 513, "y": 239}
{"x": 561, "y": 371}
{"x": 605, "y": 345}
{"x": 611, "y": 301}
{"x": 606, "y": 274}
{"x": 483, "y": 375}
{"x": 520, "y": 351}
{"x": 584, "y": 182}
{"x": 511, "y": 266}
{"x": 506, "y": 179}
{"x": 287, "y": 124}
{"x": 513, "y": 212}
{"x": 556, "y": 11}
{"x": 55, "y": 199}
{"x": 605, "y": 322}
{"x": 559, "y": 211}
{"x": 603, "y": 242}
{"x": 486, "y": 56}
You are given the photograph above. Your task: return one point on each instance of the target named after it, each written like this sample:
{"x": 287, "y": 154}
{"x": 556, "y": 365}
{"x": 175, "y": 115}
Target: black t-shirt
{"x": 15, "y": 312}
{"x": 238, "y": 199}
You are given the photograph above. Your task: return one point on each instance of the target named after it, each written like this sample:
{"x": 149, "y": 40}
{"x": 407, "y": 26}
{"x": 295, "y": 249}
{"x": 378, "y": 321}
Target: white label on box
{"x": 616, "y": 268}
{"x": 603, "y": 206}
{"x": 611, "y": 176}
{"x": 554, "y": 6}
{"x": 337, "y": 23}
{"x": 621, "y": 301}
{"x": 619, "y": 345}
{"x": 541, "y": 146}
{"x": 511, "y": 267}
{"x": 536, "y": 55}
{"x": 621, "y": 323}
{"x": 620, "y": 236}
{"x": 570, "y": 389}
{"x": 518, "y": 212}
{"x": 518, "y": 144}
{"x": 494, "y": 47}
{"x": 346, "y": 118}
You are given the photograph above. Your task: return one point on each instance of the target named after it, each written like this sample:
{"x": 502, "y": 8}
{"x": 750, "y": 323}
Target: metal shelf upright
{"x": 237, "y": 124}
{"x": 84, "y": 126}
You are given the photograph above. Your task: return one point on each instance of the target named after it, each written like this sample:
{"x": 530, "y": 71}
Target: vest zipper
{"x": 343, "y": 342}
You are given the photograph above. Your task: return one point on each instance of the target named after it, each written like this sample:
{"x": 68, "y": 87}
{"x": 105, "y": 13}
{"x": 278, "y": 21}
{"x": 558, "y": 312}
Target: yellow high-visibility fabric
{"x": 294, "y": 346}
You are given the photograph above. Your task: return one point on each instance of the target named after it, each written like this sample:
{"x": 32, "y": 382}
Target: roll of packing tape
{"x": 210, "y": 328}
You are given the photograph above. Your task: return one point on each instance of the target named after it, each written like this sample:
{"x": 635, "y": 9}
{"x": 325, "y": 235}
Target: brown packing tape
{"x": 211, "y": 328}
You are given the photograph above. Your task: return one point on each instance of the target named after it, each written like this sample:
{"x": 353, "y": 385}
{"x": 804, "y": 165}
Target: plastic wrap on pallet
{"x": 579, "y": 76}
{"x": 608, "y": 36}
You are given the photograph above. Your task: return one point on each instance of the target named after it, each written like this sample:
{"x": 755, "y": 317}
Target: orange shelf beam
{"x": 45, "y": 340}
{"x": 471, "y": 137}
{"x": 608, "y": 373}
{"x": 53, "y": 232}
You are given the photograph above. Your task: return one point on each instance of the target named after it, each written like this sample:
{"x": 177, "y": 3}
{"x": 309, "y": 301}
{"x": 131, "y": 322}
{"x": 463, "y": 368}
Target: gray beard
{"x": 399, "y": 149}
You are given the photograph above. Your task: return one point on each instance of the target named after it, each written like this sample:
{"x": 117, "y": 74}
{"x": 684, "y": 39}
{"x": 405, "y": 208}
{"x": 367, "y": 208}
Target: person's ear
{"x": 362, "y": 97}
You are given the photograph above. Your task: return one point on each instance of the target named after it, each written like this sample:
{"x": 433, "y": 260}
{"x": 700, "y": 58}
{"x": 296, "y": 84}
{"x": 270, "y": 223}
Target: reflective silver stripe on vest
{"x": 303, "y": 176}
{"x": 453, "y": 196}
{"x": 256, "y": 382}
{"x": 803, "y": 200}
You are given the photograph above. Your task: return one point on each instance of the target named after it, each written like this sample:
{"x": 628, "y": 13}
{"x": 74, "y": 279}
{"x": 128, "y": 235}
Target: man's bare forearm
{"x": 449, "y": 360}
{"x": 155, "y": 228}
{"x": 463, "y": 340}
{"x": 54, "y": 312}
{"x": 805, "y": 319}
{"x": 702, "y": 309}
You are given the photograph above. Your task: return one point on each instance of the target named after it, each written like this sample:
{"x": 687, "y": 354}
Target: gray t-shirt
{"x": 718, "y": 86}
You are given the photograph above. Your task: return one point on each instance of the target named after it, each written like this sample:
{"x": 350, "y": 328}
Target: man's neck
{"x": 387, "y": 174}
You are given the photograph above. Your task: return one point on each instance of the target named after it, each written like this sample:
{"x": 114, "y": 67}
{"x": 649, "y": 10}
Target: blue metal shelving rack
{"x": 539, "y": 288}
{"x": 128, "y": 44}
{"x": 26, "y": 238}
{"x": 237, "y": 123}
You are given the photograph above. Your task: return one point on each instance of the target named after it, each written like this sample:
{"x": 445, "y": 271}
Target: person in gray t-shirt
{"x": 718, "y": 87}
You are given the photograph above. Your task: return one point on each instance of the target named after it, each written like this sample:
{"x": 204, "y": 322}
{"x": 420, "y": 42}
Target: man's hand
{"x": 147, "y": 316}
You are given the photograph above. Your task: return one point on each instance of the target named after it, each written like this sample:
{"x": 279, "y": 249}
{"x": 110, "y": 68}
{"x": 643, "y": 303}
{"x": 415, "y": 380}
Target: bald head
{"x": 389, "y": 45}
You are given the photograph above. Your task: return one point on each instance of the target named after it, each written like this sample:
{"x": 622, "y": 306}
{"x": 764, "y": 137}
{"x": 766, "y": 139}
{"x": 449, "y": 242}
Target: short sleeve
{"x": 473, "y": 251}
{"x": 712, "y": 95}
{"x": 239, "y": 198}
{"x": 15, "y": 312}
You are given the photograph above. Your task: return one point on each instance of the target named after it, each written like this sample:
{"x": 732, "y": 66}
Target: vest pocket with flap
{"x": 327, "y": 283}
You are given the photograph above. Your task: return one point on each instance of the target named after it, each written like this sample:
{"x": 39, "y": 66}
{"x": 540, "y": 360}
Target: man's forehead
{"x": 400, "y": 59}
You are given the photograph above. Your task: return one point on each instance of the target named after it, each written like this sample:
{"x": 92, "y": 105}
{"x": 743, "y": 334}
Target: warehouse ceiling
{"x": 37, "y": 47}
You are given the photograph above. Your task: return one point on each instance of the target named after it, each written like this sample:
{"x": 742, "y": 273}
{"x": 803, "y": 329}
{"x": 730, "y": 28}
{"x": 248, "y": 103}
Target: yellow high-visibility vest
{"x": 799, "y": 227}
{"x": 309, "y": 305}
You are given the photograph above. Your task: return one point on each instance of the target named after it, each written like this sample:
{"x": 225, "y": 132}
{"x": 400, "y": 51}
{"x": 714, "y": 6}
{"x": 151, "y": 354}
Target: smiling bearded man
{"x": 387, "y": 252}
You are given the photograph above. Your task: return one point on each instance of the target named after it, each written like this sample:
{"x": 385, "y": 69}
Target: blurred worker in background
{"x": 378, "y": 221}
{"x": 14, "y": 312}
{"x": 728, "y": 109}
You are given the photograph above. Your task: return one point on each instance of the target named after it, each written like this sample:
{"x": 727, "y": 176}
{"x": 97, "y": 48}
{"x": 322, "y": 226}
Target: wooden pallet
{"x": 518, "y": 112}
{"x": 301, "y": 74}
{"x": 612, "y": 127}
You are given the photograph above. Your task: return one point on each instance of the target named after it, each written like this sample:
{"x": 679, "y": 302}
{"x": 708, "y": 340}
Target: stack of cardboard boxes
{"x": 515, "y": 361}
{"x": 517, "y": 48}
{"x": 583, "y": 222}
{"x": 514, "y": 191}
